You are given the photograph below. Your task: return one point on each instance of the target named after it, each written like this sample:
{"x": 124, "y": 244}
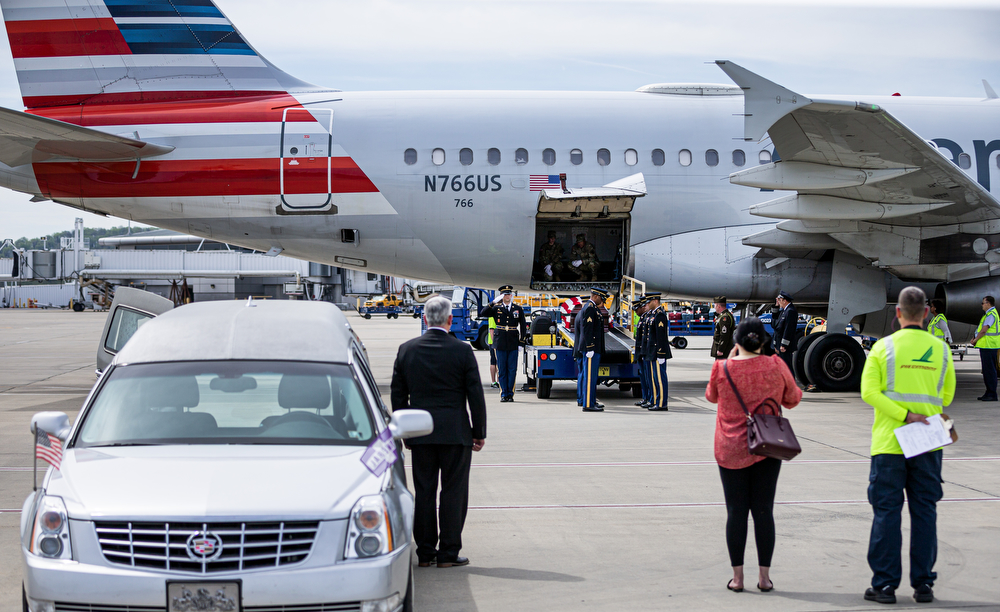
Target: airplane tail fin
{"x": 127, "y": 51}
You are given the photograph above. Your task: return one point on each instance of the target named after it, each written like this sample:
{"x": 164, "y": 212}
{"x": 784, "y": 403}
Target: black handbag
{"x": 768, "y": 435}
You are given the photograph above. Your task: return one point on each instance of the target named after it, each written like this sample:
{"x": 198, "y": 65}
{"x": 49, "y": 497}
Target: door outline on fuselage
{"x": 316, "y": 114}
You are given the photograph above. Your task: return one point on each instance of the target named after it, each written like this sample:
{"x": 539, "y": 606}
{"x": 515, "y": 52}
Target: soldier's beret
{"x": 785, "y": 296}
{"x": 601, "y": 292}
{"x": 507, "y": 289}
{"x": 552, "y": 234}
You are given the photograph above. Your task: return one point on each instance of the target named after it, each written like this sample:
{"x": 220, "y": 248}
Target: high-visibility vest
{"x": 934, "y": 328}
{"x": 992, "y": 338}
{"x": 491, "y": 333}
{"x": 911, "y": 379}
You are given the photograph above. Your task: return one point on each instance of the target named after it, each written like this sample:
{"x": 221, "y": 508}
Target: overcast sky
{"x": 914, "y": 47}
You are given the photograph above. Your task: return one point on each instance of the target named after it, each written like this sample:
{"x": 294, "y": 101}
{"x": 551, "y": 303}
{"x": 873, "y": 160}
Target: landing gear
{"x": 799, "y": 357}
{"x": 833, "y": 362}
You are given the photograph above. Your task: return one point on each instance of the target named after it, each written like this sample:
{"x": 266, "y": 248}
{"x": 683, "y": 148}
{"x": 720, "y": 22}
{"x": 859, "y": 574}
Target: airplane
{"x": 163, "y": 113}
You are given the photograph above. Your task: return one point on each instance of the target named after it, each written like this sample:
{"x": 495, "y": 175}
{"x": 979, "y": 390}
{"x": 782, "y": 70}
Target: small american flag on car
{"x": 539, "y": 182}
{"x": 48, "y": 447}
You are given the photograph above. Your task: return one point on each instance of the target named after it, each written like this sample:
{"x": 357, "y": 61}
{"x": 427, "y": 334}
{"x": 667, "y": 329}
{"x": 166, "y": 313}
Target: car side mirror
{"x": 55, "y": 423}
{"x": 410, "y": 424}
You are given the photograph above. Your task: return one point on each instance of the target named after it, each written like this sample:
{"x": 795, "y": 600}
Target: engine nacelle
{"x": 882, "y": 323}
{"x": 963, "y": 299}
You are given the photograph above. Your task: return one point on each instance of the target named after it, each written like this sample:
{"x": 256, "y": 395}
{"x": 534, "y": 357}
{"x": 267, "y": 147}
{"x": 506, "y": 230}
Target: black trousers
{"x": 751, "y": 491}
{"x": 452, "y": 463}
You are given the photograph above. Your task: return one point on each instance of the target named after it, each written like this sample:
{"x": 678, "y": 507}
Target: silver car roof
{"x": 264, "y": 329}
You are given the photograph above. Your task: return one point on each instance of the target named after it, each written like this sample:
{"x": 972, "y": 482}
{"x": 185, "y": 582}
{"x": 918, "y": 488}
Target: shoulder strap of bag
{"x": 776, "y": 408}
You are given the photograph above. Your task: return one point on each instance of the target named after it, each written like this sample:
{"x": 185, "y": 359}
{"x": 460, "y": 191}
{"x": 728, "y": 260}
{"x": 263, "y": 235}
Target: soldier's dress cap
{"x": 652, "y": 295}
{"x": 785, "y": 296}
{"x": 601, "y": 292}
{"x": 506, "y": 289}
{"x": 636, "y": 303}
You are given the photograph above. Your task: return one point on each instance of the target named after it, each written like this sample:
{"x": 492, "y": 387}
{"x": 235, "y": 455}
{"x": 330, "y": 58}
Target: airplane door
{"x": 306, "y": 145}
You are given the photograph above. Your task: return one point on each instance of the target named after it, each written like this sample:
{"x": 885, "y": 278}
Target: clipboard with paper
{"x": 918, "y": 438}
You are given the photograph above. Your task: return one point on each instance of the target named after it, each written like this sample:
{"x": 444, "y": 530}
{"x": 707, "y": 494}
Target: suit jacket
{"x": 786, "y": 328}
{"x": 439, "y": 373}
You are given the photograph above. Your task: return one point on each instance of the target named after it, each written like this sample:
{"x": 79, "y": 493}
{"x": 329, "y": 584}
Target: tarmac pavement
{"x": 616, "y": 510}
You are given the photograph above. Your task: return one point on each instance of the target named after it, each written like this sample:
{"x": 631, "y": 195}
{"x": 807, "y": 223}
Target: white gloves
{"x": 661, "y": 361}
{"x": 590, "y": 354}
{"x": 548, "y": 270}
{"x": 498, "y": 298}
{"x": 577, "y": 263}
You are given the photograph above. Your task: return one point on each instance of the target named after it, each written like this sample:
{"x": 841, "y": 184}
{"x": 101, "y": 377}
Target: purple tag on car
{"x": 380, "y": 454}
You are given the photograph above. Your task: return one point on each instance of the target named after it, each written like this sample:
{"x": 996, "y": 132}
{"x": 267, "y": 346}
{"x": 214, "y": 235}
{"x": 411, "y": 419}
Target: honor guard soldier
{"x": 647, "y": 370}
{"x": 657, "y": 350}
{"x": 725, "y": 325}
{"x": 639, "y": 308}
{"x": 939, "y": 324}
{"x": 583, "y": 259}
{"x": 786, "y": 329}
{"x": 510, "y": 331}
{"x": 550, "y": 258}
{"x": 588, "y": 345}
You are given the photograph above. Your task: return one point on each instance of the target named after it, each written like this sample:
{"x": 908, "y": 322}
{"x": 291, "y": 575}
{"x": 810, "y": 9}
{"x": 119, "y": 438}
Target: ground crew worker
{"x": 550, "y": 258}
{"x": 491, "y": 332}
{"x": 987, "y": 340}
{"x": 939, "y": 324}
{"x": 588, "y": 345}
{"x": 583, "y": 259}
{"x": 725, "y": 325}
{"x": 658, "y": 351}
{"x": 786, "y": 329}
{"x": 908, "y": 376}
{"x": 510, "y": 332}
{"x": 638, "y": 309}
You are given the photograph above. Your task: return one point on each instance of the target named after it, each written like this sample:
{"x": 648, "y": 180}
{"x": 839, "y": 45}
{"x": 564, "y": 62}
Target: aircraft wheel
{"x": 78, "y": 306}
{"x": 543, "y": 387}
{"x": 834, "y": 363}
{"x": 799, "y": 357}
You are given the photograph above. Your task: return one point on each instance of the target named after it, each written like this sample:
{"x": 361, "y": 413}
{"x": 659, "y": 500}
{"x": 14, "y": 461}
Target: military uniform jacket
{"x": 550, "y": 254}
{"x": 511, "y": 325}
{"x": 587, "y": 254}
{"x": 657, "y": 339}
{"x": 640, "y": 329}
{"x": 785, "y": 329}
{"x": 722, "y": 341}
{"x": 589, "y": 328}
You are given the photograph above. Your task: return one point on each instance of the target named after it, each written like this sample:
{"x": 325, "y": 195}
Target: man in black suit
{"x": 785, "y": 339}
{"x": 438, "y": 373}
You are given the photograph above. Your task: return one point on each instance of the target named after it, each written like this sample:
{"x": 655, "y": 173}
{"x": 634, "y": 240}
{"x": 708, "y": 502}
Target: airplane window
{"x": 739, "y": 158}
{"x": 658, "y": 157}
{"x": 964, "y": 161}
{"x": 410, "y": 156}
{"x": 764, "y": 157}
{"x": 548, "y": 157}
{"x": 712, "y": 157}
{"x": 437, "y": 156}
{"x": 631, "y": 157}
{"x": 493, "y": 156}
{"x": 521, "y": 157}
{"x": 603, "y": 157}
{"x": 684, "y": 157}
{"x": 465, "y": 156}
{"x": 576, "y": 157}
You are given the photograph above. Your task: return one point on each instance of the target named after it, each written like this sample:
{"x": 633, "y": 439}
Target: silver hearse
{"x": 231, "y": 457}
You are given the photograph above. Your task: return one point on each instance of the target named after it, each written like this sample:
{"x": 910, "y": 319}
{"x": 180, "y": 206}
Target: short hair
{"x": 989, "y": 298}
{"x": 938, "y": 305}
{"x": 436, "y": 311}
{"x": 912, "y": 301}
{"x": 750, "y": 334}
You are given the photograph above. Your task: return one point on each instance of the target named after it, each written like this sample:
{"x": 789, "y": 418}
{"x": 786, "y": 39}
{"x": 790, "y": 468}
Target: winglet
{"x": 990, "y": 94}
{"x": 764, "y": 102}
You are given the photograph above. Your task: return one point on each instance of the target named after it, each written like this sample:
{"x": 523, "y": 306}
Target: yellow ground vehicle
{"x": 389, "y": 305}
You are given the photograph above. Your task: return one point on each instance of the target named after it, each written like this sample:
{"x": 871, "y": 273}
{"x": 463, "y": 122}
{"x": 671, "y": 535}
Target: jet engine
{"x": 963, "y": 299}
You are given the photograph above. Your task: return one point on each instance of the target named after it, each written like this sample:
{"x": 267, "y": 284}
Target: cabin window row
{"x": 631, "y": 157}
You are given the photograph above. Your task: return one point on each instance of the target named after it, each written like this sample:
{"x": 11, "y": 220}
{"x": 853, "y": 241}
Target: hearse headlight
{"x": 50, "y": 535}
{"x": 369, "y": 531}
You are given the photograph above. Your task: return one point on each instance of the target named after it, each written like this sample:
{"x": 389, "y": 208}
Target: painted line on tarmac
{"x": 836, "y": 502}
{"x": 654, "y": 463}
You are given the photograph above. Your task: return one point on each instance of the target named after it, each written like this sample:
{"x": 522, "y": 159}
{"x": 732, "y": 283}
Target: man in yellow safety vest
{"x": 987, "y": 340}
{"x": 939, "y": 324}
{"x": 908, "y": 376}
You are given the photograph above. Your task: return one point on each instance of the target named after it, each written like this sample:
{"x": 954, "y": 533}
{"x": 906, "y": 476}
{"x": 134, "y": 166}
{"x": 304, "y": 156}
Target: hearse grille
{"x": 174, "y": 546}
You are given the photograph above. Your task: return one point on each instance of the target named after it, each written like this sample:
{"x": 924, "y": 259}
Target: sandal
{"x": 729, "y": 585}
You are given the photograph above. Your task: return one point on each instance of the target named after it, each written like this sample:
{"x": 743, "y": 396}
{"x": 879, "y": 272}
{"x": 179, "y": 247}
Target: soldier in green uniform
{"x": 725, "y": 324}
{"x": 550, "y": 258}
{"x": 583, "y": 259}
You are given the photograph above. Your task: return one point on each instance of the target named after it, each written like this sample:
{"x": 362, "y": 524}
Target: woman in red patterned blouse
{"x": 748, "y": 481}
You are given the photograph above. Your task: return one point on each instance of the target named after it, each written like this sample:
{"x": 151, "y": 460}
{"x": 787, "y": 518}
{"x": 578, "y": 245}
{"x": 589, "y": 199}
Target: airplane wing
{"x": 26, "y": 138}
{"x": 864, "y": 183}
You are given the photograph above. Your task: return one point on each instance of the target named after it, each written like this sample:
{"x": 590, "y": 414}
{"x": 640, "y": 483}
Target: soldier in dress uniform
{"x": 583, "y": 259}
{"x": 510, "y": 332}
{"x": 786, "y": 328}
{"x": 550, "y": 258}
{"x": 639, "y": 308}
{"x": 588, "y": 345}
{"x": 657, "y": 351}
{"x": 725, "y": 325}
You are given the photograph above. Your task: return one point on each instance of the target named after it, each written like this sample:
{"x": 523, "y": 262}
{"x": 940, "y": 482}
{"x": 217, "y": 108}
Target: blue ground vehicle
{"x": 466, "y": 302}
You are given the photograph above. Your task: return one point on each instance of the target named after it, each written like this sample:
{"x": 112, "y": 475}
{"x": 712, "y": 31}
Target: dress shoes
{"x": 457, "y": 561}
{"x": 640, "y": 403}
{"x": 885, "y": 595}
{"x": 657, "y": 409}
{"x": 988, "y": 398}
{"x": 597, "y": 408}
{"x": 598, "y": 404}
{"x": 644, "y": 404}
{"x": 923, "y": 594}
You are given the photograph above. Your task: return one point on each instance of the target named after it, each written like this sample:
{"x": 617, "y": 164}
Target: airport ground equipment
{"x": 389, "y": 305}
{"x": 466, "y": 303}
